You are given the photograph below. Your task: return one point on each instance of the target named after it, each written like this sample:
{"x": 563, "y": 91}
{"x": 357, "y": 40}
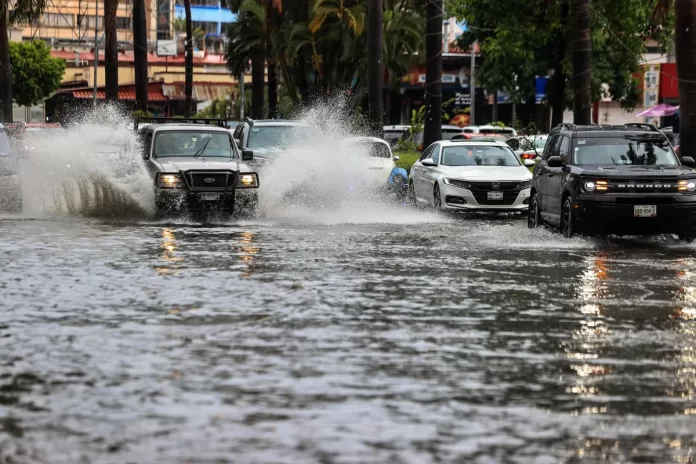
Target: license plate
{"x": 210, "y": 196}
{"x": 645, "y": 211}
{"x": 495, "y": 195}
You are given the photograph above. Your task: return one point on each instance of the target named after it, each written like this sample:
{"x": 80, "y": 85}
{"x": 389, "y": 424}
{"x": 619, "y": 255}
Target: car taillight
{"x": 528, "y": 156}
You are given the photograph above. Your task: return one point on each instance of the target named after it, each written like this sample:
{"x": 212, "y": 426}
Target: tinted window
{"x": 551, "y": 148}
{"x": 436, "y": 155}
{"x": 479, "y": 155}
{"x": 514, "y": 144}
{"x": 496, "y": 131}
{"x": 640, "y": 150}
{"x": 564, "y": 149}
{"x": 428, "y": 152}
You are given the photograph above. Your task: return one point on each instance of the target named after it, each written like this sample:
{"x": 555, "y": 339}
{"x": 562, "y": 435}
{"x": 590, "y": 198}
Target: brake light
{"x": 528, "y": 156}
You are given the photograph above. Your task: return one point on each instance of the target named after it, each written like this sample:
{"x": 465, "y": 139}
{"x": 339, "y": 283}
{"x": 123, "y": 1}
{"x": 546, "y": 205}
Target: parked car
{"x": 528, "y": 147}
{"x": 447, "y": 133}
{"x": 10, "y": 186}
{"x": 392, "y": 134}
{"x": 198, "y": 168}
{"x": 382, "y": 173}
{"x": 509, "y": 131}
{"x": 613, "y": 179}
{"x": 467, "y": 175}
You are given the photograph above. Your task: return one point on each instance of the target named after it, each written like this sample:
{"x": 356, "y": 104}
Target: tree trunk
{"x": 432, "y": 131}
{"x": 557, "y": 83}
{"x": 272, "y": 90}
{"x": 140, "y": 54}
{"x": 375, "y": 67}
{"x": 188, "y": 62}
{"x": 582, "y": 63}
{"x": 686, "y": 71}
{"x": 5, "y": 68}
{"x": 257, "y": 86}
{"x": 110, "y": 50}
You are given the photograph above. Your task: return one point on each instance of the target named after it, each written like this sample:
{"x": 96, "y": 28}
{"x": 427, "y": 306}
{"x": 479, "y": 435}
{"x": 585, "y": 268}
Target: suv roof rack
{"x": 641, "y": 125}
{"x": 159, "y": 120}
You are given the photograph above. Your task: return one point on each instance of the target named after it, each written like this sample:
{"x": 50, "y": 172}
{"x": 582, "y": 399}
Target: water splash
{"x": 93, "y": 168}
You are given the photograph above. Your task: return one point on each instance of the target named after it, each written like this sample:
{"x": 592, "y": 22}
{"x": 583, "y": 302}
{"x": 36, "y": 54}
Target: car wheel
{"x": 567, "y": 219}
{"x": 534, "y": 215}
{"x": 688, "y": 235}
{"x": 437, "y": 201}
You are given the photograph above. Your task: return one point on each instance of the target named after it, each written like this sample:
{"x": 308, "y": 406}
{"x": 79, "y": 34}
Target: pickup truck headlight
{"x": 457, "y": 183}
{"x": 171, "y": 181}
{"x": 249, "y": 180}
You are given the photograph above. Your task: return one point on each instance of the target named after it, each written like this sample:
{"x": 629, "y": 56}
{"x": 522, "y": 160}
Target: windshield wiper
{"x": 205, "y": 145}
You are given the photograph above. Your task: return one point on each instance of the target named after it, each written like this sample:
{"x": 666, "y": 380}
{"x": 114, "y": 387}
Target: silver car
{"x": 198, "y": 168}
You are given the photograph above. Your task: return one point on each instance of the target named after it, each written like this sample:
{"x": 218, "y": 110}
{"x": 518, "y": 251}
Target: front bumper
{"x": 459, "y": 199}
{"x": 615, "y": 213}
{"x": 183, "y": 200}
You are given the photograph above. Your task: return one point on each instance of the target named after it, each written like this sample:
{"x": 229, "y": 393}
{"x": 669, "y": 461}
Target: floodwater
{"x": 394, "y": 336}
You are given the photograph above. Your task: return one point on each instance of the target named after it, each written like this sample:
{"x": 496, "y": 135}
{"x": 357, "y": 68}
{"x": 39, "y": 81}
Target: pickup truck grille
{"x": 210, "y": 180}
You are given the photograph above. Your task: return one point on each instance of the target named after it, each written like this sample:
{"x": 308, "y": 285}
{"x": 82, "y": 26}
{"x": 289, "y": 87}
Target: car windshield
{"x": 193, "y": 143}
{"x": 374, "y": 149}
{"x": 479, "y": 155}
{"x": 640, "y": 150}
{"x": 495, "y": 130}
{"x": 279, "y": 136}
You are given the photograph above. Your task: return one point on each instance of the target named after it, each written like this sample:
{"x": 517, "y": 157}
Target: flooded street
{"x": 399, "y": 336}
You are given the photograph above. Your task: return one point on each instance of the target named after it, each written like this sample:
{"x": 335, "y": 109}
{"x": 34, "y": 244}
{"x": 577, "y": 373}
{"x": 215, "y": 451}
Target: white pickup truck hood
{"x": 176, "y": 164}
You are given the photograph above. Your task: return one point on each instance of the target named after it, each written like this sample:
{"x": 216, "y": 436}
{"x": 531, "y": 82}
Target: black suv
{"x": 625, "y": 180}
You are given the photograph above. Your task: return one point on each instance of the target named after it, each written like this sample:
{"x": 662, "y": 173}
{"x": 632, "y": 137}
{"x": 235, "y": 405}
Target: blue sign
{"x": 541, "y": 83}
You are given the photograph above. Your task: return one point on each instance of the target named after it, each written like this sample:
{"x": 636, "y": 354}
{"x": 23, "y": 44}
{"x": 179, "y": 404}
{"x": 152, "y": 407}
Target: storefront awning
{"x": 128, "y": 95}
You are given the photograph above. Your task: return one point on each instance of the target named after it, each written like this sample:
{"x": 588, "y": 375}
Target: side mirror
{"x": 428, "y": 162}
{"x": 247, "y": 155}
{"x": 396, "y": 158}
{"x": 529, "y": 162}
{"x": 555, "y": 162}
{"x": 688, "y": 161}
{"x": 146, "y": 155}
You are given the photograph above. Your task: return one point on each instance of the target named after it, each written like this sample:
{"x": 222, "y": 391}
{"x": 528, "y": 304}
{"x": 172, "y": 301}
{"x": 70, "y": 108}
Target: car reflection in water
{"x": 246, "y": 252}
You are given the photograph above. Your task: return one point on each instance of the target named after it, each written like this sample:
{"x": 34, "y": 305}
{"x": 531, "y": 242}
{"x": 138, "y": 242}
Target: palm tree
{"x": 582, "y": 63}
{"x": 686, "y": 71}
{"x": 110, "y": 50}
{"x": 140, "y": 52}
{"x": 376, "y": 65}
{"x": 19, "y": 11}
{"x": 188, "y": 63}
{"x": 432, "y": 130}
{"x": 197, "y": 32}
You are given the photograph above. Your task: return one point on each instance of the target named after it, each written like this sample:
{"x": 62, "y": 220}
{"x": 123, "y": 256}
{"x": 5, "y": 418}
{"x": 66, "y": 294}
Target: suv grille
{"x": 642, "y": 185}
{"x": 210, "y": 180}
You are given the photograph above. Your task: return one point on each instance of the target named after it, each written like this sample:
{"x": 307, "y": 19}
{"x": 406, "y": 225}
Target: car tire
{"x": 411, "y": 194}
{"x": 567, "y": 218}
{"x": 437, "y": 198}
{"x": 534, "y": 214}
{"x": 688, "y": 235}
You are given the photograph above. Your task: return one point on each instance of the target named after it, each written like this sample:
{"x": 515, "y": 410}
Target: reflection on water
{"x": 246, "y": 252}
{"x": 169, "y": 254}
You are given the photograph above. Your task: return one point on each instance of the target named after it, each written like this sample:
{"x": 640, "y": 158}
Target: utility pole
{"x": 375, "y": 57}
{"x": 432, "y": 130}
{"x": 472, "y": 86}
{"x": 241, "y": 96}
{"x": 140, "y": 54}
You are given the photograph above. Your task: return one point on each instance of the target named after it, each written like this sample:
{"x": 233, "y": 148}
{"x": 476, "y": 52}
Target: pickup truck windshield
{"x": 636, "y": 150}
{"x": 191, "y": 143}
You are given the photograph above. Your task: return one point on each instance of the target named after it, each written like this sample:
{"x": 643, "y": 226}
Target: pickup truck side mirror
{"x": 554, "y": 162}
{"x": 247, "y": 155}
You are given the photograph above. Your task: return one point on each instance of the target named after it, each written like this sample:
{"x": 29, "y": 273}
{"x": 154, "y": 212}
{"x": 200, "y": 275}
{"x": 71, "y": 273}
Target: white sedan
{"x": 380, "y": 161}
{"x": 465, "y": 175}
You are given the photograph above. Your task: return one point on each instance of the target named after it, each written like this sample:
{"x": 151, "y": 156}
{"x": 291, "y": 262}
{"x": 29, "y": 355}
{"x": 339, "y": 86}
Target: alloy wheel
{"x": 437, "y": 201}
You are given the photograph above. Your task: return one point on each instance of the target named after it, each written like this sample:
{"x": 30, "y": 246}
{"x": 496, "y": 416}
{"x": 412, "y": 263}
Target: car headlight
{"x": 457, "y": 183}
{"x": 248, "y": 181}
{"x": 525, "y": 185}
{"x": 589, "y": 186}
{"x": 687, "y": 185}
{"x": 170, "y": 181}
{"x": 592, "y": 185}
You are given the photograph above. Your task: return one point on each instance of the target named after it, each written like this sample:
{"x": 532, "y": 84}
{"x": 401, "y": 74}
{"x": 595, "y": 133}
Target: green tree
{"x": 36, "y": 75}
{"x": 18, "y": 11}
{"x": 538, "y": 38}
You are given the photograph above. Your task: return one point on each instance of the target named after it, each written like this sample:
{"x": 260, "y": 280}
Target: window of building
{"x": 57, "y": 20}
{"x": 88, "y": 21}
{"x": 205, "y": 2}
{"x": 207, "y": 26}
{"x": 124, "y": 23}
